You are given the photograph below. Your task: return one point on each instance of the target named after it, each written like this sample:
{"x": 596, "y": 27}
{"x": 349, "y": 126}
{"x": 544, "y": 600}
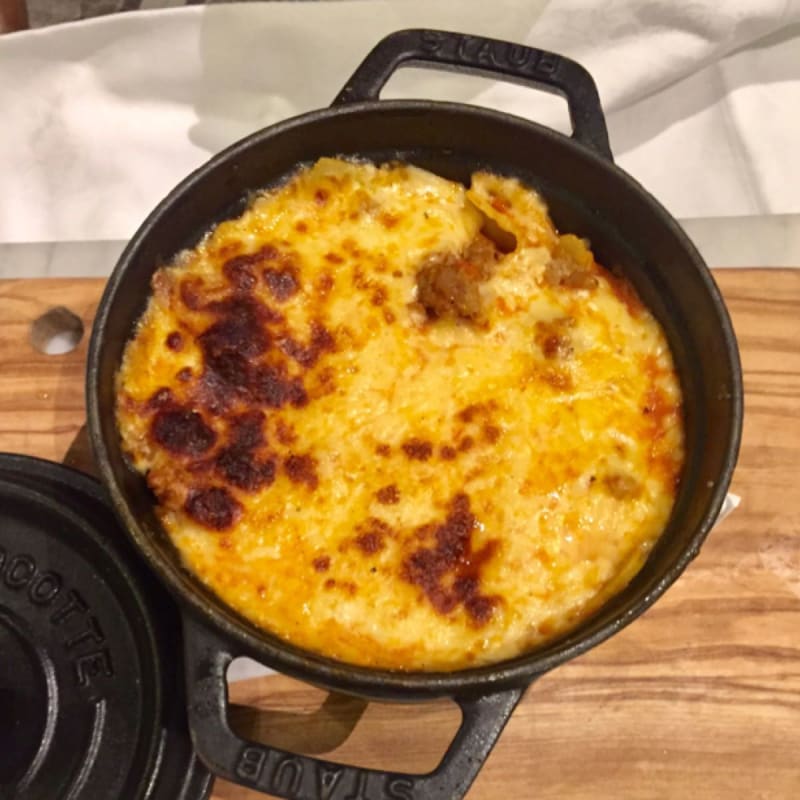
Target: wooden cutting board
{"x": 698, "y": 698}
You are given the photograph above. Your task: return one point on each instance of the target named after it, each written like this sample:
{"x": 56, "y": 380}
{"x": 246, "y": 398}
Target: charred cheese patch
{"x": 400, "y": 422}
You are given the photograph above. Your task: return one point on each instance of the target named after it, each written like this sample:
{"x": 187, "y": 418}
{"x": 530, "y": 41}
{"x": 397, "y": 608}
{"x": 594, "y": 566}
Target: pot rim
{"x": 366, "y": 681}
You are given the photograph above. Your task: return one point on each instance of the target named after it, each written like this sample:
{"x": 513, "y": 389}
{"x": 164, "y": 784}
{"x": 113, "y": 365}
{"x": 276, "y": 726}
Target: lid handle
{"x": 292, "y": 776}
{"x": 491, "y": 58}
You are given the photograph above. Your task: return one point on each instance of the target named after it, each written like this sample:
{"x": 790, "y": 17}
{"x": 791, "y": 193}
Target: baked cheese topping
{"x": 401, "y": 422}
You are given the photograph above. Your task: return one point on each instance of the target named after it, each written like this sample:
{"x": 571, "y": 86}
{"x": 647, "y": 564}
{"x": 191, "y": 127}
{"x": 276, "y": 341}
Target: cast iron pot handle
{"x": 297, "y": 777}
{"x": 492, "y": 58}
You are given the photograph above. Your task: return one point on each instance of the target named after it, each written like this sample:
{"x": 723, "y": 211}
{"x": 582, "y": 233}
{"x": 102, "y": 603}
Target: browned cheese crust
{"x": 400, "y": 422}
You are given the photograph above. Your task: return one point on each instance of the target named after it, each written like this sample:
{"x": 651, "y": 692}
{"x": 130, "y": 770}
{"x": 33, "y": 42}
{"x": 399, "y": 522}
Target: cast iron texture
{"x": 587, "y": 195}
{"x": 90, "y": 676}
{"x": 290, "y": 775}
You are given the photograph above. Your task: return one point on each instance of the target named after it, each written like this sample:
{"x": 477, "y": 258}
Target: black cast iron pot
{"x": 587, "y": 195}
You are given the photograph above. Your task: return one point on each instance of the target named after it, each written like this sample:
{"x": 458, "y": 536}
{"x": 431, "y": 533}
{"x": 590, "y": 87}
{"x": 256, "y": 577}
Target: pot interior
{"x": 588, "y": 196}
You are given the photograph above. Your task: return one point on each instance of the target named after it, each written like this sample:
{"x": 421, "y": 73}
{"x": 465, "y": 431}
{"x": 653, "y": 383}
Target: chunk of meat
{"x": 482, "y": 254}
{"x": 445, "y": 289}
{"x": 572, "y": 265}
{"x": 448, "y": 284}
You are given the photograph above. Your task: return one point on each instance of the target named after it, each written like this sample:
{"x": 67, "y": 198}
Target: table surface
{"x": 699, "y": 698}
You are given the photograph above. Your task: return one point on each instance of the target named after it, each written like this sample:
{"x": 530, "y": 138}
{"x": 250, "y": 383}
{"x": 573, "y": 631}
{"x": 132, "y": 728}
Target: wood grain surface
{"x": 699, "y": 698}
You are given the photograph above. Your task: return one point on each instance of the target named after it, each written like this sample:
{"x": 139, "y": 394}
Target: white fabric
{"x": 102, "y": 118}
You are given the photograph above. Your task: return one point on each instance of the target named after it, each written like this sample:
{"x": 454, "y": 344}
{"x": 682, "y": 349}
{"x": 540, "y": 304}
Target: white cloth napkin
{"x": 102, "y": 118}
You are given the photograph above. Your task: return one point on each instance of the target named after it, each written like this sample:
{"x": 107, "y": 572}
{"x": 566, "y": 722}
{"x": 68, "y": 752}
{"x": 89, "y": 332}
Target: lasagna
{"x": 402, "y": 422}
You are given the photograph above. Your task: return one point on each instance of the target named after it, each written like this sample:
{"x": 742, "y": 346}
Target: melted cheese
{"x": 411, "y": 492}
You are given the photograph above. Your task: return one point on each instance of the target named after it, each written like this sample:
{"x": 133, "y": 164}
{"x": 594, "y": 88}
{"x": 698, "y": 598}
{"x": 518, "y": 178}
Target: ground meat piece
{"x": 445, "y": 288}
{"x": 571, "y": 265}
{"x": 483, "y": 254}
{"x": 447, "y": 283}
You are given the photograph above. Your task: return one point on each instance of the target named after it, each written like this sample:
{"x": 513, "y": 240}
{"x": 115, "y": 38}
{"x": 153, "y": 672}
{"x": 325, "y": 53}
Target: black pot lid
{"x": 92, "y": 705}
